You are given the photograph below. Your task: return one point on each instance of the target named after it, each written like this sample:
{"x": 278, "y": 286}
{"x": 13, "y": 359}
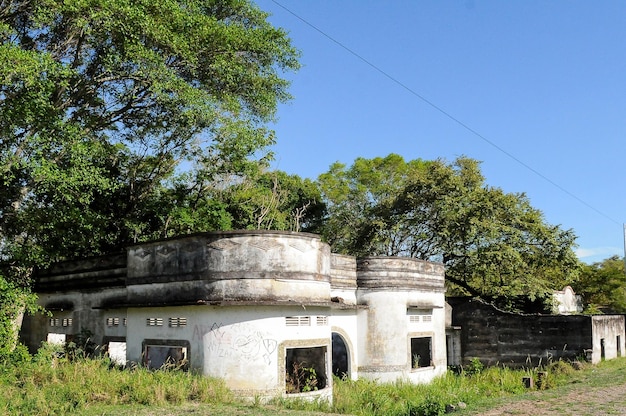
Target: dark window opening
{"x": 619, "y": 346}
{"x": 602, "y": 349}
{"x": 340, "y": 356}
{"x": 421, "y": 355}
{"x": 166, "y": 355}
{"x": 305, "y": 369}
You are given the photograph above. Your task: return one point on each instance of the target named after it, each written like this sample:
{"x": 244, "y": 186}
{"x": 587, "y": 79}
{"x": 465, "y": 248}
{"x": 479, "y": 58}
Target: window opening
{"x": 602, "y": 349}
{"x": 340, "y": 356}
{"x": 619, "y": 345}
{"x": 54, "y": 338}
{"x": 117, "y": 352}
{"x": 421, "y": 352}
{"x": 166, "y": 356}
{"x": 305, "y": 369}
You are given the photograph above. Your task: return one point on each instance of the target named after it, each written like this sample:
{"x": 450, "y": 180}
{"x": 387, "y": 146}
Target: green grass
{"x": 47, "y": 385}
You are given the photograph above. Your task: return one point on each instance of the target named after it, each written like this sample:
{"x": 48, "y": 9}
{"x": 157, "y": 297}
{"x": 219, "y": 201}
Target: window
{"x": 166, "y": 354}
{"x": 305, "y": 369}
{"x": 113, "y": 321}
{"x": 421, "y": 352}
{"x": 117, "y": 352}
{"x": 54, "y": 338}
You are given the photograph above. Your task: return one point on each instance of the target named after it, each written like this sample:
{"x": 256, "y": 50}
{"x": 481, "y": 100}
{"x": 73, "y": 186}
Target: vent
{"x": 298, "y": 321}
{"x": 113, "y": 321}
{"x": 55, "y": 322}
{"x": 124, "y": 321}
{"x": 420, "y": 315}
{"x": 322, "y": 320}
{"x": 178, "y": 322}
{"x": 154, "y": 321}
{"x": 67, "y": 322}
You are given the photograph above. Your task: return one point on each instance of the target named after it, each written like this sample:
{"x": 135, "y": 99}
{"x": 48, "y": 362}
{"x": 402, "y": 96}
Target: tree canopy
{"x": 602, "y": 286}
{"x": 115, "y": 115}
{"x": 494, "y": 244}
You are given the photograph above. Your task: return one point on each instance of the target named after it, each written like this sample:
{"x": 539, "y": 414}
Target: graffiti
{"x": 239, "y": 340}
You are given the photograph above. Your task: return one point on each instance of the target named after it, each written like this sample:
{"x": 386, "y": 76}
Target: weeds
{"x": 55, "y": 383}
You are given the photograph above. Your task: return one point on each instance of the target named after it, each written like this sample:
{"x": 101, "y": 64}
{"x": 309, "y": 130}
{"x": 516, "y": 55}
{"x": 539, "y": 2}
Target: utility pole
{"x": 624, "y": 248}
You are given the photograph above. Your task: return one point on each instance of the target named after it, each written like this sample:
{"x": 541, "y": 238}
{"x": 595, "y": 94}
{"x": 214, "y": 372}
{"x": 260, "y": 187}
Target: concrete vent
{"x": 298, "y": 321}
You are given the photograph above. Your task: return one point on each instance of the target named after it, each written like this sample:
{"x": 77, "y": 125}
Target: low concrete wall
{"x": 498, "y": 337}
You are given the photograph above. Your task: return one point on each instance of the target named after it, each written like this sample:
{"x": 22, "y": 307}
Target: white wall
{"x": 243, "y": 345}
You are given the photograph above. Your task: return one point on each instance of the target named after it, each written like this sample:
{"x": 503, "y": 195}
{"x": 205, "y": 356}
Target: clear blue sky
{"x": 540, "y": 87}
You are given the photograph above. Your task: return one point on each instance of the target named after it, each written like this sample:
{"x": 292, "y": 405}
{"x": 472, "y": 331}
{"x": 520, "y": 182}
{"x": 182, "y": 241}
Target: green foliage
{"x": 602, "y": 286}
{"x": 274, "y": 201}
{"x": 494, "y": 244}
{"x": 430, "y": 406}
{"x": 301, "y": 379}
{"x": 14, "y": 301}
{"x": 104, "y": 103}
{"x": 53, "y": 384}
{"x": 475, "y": 366}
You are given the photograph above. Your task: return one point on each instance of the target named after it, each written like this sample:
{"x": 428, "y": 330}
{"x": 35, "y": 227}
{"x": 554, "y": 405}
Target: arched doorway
{"x": 341, "y": 356}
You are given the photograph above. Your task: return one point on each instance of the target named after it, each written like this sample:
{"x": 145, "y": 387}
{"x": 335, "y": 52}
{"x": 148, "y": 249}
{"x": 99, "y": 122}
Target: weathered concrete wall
{"x": 243, "y": 345}
{"x": 497, "y": 337}
{"x": 230, "y": 266}
{"x": 246, "y": 305}
{"x": 390, "y": 288}
{"x": 608, "y": 337}
{"x": 343, "y": 279}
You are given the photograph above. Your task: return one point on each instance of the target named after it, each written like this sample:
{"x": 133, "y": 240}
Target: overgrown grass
{"x": 50, "y": 384}
{"x": 454, "y": 391}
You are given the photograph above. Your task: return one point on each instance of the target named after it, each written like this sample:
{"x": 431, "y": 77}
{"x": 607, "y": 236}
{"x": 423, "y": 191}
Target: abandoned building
{"x": 276, "y": 313}
{"x": 525, "y": 340}
{"x": 259, "y": 309}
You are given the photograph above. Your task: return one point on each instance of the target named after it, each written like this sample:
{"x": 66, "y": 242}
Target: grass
{"x": 47, "y": 384}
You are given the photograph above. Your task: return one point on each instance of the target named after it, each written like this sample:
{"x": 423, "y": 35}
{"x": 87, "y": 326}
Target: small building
{"x": 525, "y": 340}
{"x": 262, "y": 310}
{"x": 567, "y": 302}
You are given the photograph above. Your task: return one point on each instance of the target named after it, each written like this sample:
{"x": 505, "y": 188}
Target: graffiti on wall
{"x": 239, "y": 340}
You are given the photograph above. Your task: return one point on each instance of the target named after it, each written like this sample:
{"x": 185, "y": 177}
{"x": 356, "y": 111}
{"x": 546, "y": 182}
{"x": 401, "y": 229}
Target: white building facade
{"x": 270, "y": 313}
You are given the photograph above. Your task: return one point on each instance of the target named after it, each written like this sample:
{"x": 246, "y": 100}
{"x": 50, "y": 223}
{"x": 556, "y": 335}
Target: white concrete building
{"x": 271, "y": 313}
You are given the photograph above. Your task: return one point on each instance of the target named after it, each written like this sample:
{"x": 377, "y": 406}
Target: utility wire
{"x": 444, "y": 112}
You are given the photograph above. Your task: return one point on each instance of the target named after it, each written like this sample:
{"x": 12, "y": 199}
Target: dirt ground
{"x": 583, "y": 401}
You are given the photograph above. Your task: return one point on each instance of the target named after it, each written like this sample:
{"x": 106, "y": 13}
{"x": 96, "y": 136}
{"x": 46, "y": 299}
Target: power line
{"x": 444, "y": 112}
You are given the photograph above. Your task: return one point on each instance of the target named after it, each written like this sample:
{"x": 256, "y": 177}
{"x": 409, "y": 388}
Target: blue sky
{"x": 535, "y": 90}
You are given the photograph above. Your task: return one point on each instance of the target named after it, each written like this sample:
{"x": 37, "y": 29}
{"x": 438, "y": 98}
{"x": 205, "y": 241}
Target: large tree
{"x": 103, "y": 105}
{"x": 602, "y": 286}
{"x": 494, "y": 244}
